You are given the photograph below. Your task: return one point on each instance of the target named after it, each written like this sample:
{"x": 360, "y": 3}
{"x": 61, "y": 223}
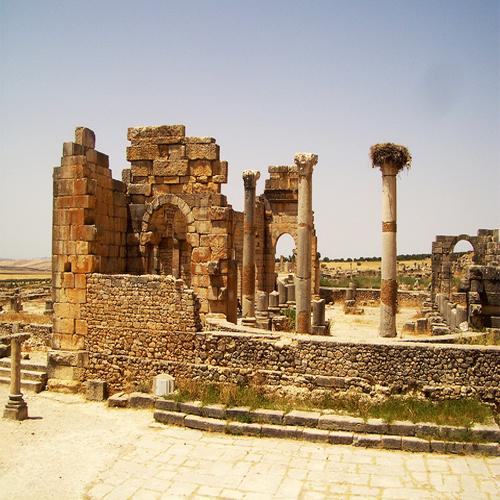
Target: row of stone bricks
{"x": 333, "y": 429}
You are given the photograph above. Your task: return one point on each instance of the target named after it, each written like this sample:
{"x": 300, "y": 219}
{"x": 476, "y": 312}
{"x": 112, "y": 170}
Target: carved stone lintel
{"x": 250, "y": 178}
{"x": 305, "y": 162}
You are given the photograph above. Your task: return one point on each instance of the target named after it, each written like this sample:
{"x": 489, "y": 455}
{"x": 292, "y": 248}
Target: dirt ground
{"x": 53, "y": 453}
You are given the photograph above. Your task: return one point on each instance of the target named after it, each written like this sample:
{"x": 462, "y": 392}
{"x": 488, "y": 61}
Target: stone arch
{"x": 167, "y": 199}
{"x": 164, "y": 242}
{"x": 276, "y": 237}
{"x": 443, "y": 257}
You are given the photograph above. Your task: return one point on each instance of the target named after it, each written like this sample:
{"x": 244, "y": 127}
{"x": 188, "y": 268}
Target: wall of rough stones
{"x": 40, "y": 334}
{"x": 367, "y": 294}
{"x": 128, "y": 316}
{"x": 128, "y": 341}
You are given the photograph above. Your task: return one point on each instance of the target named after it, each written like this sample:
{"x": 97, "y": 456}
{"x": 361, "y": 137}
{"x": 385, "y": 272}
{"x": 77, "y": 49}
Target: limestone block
{"x": 144, "y": 189}
{"x": 169, "y": 417}
{"x": 85, "y": 137}
{"x": 167, "y": 404}
{"x": 341, "y": 437}
{"x": 172, "y": 167}
{"x": 214, "y": 411}
{"x": 200, "y": 140}
{"x": 302, "y": 418}
{"x": 119, "y": 400}
{"x": 143, "y": 152}
{"x": 96, "y": 390}
{"x": 200, "y": 168}
{"x": 202, "y": 151}
{"x": 138, "y": 134}
{"x": 141, "y": 400}
{"x": 281, "y": 431}
{"x": 70, "y": 149}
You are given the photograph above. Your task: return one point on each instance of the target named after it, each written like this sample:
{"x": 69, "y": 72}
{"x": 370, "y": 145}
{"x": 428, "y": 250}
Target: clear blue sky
{"x": 267, "y": 79}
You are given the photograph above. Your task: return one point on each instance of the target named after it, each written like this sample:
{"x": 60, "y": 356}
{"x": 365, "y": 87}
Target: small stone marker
{"x": 163, "y": 385}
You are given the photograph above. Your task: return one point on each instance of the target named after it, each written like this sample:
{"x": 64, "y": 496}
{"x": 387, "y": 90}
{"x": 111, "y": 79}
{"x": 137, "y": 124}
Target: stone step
{"x": 25, "y": 365}
{"x": 27, "y": 385}
{"x": 33, "y": 375}
{"x": 25, "y": 374}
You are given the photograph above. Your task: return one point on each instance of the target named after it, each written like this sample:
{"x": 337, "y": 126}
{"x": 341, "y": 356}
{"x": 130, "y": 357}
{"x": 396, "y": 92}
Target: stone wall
{"x": 367, "y": 294}
{"x": 128, "y": 316}
{"x": 88, "y": 232}
{"x": 291, "y": 361}
{"x": 40, "y": 335}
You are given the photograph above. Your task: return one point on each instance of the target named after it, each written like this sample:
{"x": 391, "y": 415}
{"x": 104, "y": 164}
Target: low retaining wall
{"x": 404, "y": 296}
{"x": 291, "y": 361}
{"x": 40, "y": 335}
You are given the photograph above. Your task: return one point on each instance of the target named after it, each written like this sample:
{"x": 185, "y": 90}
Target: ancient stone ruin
{"x": 148, "y": 272}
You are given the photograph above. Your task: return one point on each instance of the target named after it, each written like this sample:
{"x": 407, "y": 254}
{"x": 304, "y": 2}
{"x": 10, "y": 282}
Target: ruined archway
{"x": 164, "y": 238}
{"x": 444, "y": 258}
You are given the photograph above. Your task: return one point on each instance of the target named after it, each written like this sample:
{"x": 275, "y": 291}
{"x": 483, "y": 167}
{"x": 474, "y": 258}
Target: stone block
{"x": 340, "y": 437}
{"x": 85, "y": 137}
{"x": 141, "y": 400}
{"x": 438, "y": 446}
{"x": 341, "y": 423}
{"x": 415, "y": 444}
{"x": 202, "y": 151}
{"x": 118, "y": 400}
{"x": 323, "y": 381}
{"x": 214, "y": 411}
{"x": 368, "y": 441}
{"x": 169, "y": 417}
{"x": 280, "y": 431}
{"x": 167, "y": 405}
{"x": 376, "y": 426}
{"x": 238, "y": 413}
{"x": 144, "y": 189}
{"x": 492, "y": 449}
{"x": 455, "y": 447}
{"x": 191, "y": 408}
{"x": 163, "y": 384}
{"x": 315, "y": 435}
{"x": 302, "y": 418}
{"x": 171, "y": 168}
{"x": 240, "y": 428}
{"x": 267, "y": 416}
{"x": 427, "y": 430}
{"x": 391, "y": 442}
{"x": 205, "y": 424}
{"x": 402, "y": 428}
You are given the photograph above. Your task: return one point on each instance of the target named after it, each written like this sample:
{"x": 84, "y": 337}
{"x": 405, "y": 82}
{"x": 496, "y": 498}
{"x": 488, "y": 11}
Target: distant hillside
{"x": 10, "y": 268}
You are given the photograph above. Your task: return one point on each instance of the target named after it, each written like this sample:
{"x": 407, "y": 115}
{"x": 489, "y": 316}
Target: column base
{"x": 16, "y": 408}
{"x": 249, "y": 322}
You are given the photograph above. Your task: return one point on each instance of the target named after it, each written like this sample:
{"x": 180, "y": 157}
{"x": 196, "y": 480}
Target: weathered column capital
{"x": 389, "y": 169}
{"x": 250, "y": 178}
{"x": 305, "y": 162}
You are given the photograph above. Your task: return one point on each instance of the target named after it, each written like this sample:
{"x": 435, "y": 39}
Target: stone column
{"x": 390, "y": 158}
{"x": 389, "y": 286}
{"x": 305, "y": 163}
{"x": 16, "y": 408}
{"x": 250, "y": 178}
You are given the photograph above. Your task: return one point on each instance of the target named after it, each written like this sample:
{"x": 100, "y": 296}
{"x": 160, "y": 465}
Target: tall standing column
{"x": 391, "y": 159}
{"x": 305, "y": 163}
{"x": 250, "y": 178}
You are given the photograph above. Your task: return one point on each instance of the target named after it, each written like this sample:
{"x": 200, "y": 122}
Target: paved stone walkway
{"x": 178, "y": 463}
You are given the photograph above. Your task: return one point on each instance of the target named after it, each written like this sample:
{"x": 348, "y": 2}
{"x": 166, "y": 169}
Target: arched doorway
{"x": 167, "y": 248}
{"x": 285, "y": 254}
